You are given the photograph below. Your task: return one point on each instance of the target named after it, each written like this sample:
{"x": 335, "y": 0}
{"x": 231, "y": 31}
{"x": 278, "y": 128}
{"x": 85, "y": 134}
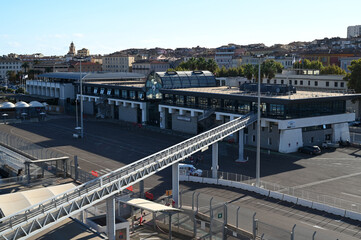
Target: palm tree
{"x": 25, "y": 65}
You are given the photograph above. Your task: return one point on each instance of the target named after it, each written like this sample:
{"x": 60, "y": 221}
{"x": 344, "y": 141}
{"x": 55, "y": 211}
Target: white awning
{"x": 148, "y": 205}
{"x": 14, "y": 202}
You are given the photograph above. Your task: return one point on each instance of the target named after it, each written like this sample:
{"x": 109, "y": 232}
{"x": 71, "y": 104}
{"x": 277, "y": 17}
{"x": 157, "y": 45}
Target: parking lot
{"x": 109, "y": 145}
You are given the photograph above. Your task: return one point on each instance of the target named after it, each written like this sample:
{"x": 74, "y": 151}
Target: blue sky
{"x": 48, "y": 27}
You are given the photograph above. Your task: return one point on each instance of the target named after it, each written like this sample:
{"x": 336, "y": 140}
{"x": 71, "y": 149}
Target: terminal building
{"x": 191, "y": 102}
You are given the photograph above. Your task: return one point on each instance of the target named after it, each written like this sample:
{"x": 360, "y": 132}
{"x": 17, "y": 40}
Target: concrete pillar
{"x": 111, "y": 217}
{"x": 144, "y": 116}
{"x": 175, "y": 184}
{"x": 141, "y": 189}
{"x": 214, "y": 160}
{"x": 241, "y": 146}
{"x": 162, "y": 119}
{"x": 112, "y": 111}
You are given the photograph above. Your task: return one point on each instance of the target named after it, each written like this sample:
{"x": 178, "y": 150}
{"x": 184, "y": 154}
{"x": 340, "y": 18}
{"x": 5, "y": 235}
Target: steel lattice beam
{"x": 39, "y": 217}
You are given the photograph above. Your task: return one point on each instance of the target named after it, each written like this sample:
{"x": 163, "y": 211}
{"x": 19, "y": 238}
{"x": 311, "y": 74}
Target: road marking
{"x": 315, "y": 226}
{"x": 311, "y": 218}
{"x": 352, "y": 195}
{"x": 326, "y": 180}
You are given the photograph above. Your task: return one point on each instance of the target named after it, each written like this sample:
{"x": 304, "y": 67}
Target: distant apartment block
{"x": 353, "y": 31}
{"x": 147, "y": 66}
{"x": 345, "y": 62}
{"x": 117, "y": 63}
{"x": 83, "y": 52}
{"x": 224, "y": 56}
{"x": 9, "y": 64}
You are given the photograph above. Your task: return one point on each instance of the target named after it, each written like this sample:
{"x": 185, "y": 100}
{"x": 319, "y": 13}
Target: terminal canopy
{"x": 149, "y": 205}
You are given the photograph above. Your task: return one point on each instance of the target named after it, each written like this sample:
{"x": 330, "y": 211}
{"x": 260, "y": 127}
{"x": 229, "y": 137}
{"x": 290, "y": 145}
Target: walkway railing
{"x": 39, "y": 217}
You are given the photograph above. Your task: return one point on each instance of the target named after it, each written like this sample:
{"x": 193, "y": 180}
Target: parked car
{"x": 189, "y": 169}
{"x": 313, "y": 150}
{"x": 329, "y": 144}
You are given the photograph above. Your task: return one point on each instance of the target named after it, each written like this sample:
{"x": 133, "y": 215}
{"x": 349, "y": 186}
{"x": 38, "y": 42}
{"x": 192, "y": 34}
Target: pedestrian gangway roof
{"x": 14, "y": 202}
{"x": 148, "y": 205}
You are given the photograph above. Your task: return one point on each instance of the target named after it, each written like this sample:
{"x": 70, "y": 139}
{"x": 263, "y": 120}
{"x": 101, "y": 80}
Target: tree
{"x": 212, "y": 66}
{"x": 316, "y": 65}
{"x": 269, "y": 68}
{"x": 248, "y": 71}
{"x": 11, "y": 75}
{"x": 25, "y": 65}
{"x": 354, "y": 78}
{"x": 333, "y": 69}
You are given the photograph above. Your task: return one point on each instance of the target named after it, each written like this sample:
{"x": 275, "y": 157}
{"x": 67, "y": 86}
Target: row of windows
{"x": 301, "y": 83}
{"x": 277, "y": 111}
{"x": 118, "y": 93}
{"x": 10, "y": 63}
{"x": 10, "y": 67}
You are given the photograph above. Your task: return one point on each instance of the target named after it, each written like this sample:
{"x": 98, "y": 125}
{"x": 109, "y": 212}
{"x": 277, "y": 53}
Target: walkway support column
{"x": 162, "y": 118}
{"x": 214, "y": 160}
{"x": 141, "y": 189}
{"x": 175, "y": 184}
{"x": 111, "y": 217}
{"x": 241, "y": 146}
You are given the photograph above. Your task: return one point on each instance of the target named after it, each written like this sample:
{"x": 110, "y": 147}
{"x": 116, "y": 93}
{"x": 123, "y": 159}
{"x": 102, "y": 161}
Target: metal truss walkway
{"x": 39, "y": 217}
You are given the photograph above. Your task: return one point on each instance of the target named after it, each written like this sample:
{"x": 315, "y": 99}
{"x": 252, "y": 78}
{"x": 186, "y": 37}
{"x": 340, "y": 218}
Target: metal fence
{"x": 293, "y": 191}
{"x": 27, "y": 147}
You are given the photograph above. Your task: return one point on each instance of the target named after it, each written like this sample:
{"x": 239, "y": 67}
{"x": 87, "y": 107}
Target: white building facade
{"x": 117, "y": 63}
{"x": 9, "y": 64}
{"x": 353, "y": 31}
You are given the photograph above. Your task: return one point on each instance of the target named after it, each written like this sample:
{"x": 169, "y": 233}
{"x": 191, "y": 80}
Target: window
{"x": 309, "y": 83}
{"x": 336, "y": 84}
{"x": 124, "y": 94}
{"x": 253, "y": 138}
{"x": 316, "y": 83}
{"x": 102, "y": 90}
{"x": 327, "y": 84}
{"x": 295, "y": 82}
{"x": 132, "y": 94}
{"x": 268, "y": 81}
{"x": 269, "y": 141}
{"x": 275, "y": 81}
{"x": 116, "y": 92}
{"x": 109, "y": 92}
{"x": 290, "y": 82}
{"x": 342, "y": 84}
{"x": 282, "y": 81}
{"x": 301, "y": 82}
{"x": 95, "y": 90}
{"x": 262, "y": 129}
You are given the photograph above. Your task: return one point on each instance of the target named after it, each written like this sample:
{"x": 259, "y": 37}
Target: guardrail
{"x": 301, "y": 197}
{"x": 47, "y": 213}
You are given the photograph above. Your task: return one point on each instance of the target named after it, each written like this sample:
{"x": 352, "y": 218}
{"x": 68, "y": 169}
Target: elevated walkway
{"x": 37, "y": 218}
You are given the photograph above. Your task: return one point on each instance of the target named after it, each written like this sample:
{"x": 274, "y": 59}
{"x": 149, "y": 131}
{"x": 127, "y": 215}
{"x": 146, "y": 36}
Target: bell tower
{"x": 71, "y": 49}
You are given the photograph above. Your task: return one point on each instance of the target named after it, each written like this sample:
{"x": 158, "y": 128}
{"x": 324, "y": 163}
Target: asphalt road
{"x": 108, "y": 146}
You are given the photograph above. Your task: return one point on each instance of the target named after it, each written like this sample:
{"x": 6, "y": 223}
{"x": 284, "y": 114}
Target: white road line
{"x": 326, "y": 180}
{"x": 352, "y": 195}
{"x": 315, "y": 226}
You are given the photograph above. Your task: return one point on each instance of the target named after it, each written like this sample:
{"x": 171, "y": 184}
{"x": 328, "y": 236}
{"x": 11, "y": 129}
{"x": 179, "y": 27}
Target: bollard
{"x": 293, "y": 232}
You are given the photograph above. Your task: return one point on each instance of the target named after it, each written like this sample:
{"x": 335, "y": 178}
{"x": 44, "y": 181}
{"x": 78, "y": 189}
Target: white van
{"x": 189, "y": 170}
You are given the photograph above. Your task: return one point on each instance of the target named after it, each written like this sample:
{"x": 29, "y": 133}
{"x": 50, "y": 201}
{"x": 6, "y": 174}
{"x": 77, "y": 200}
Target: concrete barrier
{"x": 225, "y": 182}
{"x": 320, "y": 206}
{"x": 305, "y": 203}
{"x": 337, "y": 211}
{"x": 353, "y": 215}
{"x": 183, "y": 178}
{"x": 210, "y": 180}
{"x": 195, "y": 179}
{"x": 276, "y": 195}
{"x": 290, "y": 199}
{"x": 262, "y": 191}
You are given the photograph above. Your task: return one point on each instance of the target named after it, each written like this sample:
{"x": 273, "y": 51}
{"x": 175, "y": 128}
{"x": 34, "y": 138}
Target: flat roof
{"x": 148, "y": 205}
{"x": 89, "y": 76}
{"x": 135, "y": 84}
{"x": 235, "y": 92}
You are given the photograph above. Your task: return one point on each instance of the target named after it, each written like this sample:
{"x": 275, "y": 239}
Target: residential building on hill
{"x": 353, "y": 31}
{"x": 9, "y": 64}
{"x": 147, "y": 66}
{"x": 117, "y": 63}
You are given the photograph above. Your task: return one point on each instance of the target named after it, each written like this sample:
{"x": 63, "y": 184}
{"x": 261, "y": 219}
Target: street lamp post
{"x": 81, "y": 103}
{"x": 258, "y": 156}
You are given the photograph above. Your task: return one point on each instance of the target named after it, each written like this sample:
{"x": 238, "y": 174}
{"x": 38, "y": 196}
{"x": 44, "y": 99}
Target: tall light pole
{"x": 81, "y": 101}
{"x": 258, "y": 156}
